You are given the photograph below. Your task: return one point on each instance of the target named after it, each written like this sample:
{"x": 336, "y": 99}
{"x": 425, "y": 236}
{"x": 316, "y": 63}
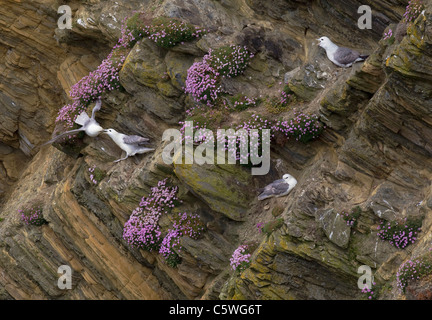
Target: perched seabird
{"x": 279, "y": 188}
{"x": 132, "y": 145}
{"x": 91, "y": 127}
{"x": 340, "y": 56}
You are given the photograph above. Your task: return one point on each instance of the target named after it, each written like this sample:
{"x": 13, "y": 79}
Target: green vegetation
{"x": 352, "y": 217}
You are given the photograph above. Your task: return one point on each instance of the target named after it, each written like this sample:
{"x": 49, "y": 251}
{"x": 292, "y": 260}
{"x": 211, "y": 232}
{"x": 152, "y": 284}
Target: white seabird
{"x": 91, "y": 127}
{"x": 132, "y": 145}
{"x": 279, "y": 188}
{"x": 340, "y": 56}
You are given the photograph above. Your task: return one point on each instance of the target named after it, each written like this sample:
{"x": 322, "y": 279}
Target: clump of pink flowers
{"x": 203, "y": 77}
{"x": 388, "y": 34}
{"x": 240, "y": 259}
{"x": 92, "y": 178}
{"x": 260, "y": 226}
{"x": 32, "y": 216}
{"x": 244, "y": 102}
{"x": 203, "y": 83}
{"x": 412, "y": 10}
{"x": 170, "y": 247}
{"x": 104, "y": 79}
{"x": 303, "y": 127}
{"x": 142, "y": 229}
{"x": 352, "y": 216}
{"x": 399, "y": 234}
{"x": 184, "y": 225}
{"x": 371, "y": 295}
{"x": 253, "y": 130}
{"x": 197, "y": 125}
{"x": 349, "y": 220}
{"x": 173, "y": 32}
{"x": 229, "y": 61}
{"x": 413, "y": 270}
{"x": 165, "y": 32}
{"x": 95, "y": 174}
{"x": 189, "y": 224}
{"x": 286, "y": 95}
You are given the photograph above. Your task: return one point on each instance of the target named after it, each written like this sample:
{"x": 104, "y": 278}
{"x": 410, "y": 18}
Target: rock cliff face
{"x": 375, "y": 153}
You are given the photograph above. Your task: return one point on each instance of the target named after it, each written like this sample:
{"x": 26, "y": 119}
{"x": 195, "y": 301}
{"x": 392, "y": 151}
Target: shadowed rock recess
{"x": 375, "y": 153}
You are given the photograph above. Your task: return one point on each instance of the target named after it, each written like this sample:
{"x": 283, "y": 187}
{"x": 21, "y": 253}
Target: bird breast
{"x": 93, "y": 130}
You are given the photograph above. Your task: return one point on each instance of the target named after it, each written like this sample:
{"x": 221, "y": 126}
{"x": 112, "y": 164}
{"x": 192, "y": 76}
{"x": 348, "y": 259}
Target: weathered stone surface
{"x": 225, "y": 187}
{"x": 143, "y": 66}
{"x": 335, "y": 228}
{"x": 313, "y": 74}
{"x": 177, "y": 65}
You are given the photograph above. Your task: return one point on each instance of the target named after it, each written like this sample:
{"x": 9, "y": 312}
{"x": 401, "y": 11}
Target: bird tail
{"x": 363, "y": 56}
{"x": 263, "y": 196}
{"x": 144, "y": 150}
{"x": 82, "y": 118}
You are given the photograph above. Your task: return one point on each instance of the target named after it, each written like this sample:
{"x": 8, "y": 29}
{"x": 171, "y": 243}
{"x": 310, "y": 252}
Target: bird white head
{"x": 325, "y": 42}
{"x": 289, "y": 178}
{"x": 110, "y": 131}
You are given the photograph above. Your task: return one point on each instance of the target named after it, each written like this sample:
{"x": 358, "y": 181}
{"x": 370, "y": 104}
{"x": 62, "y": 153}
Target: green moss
{"x": 283, "y": 103}
{"x": 71, "y": 147}
{"x": 414, "y": 270}
{"x": 167, "y": 89}
{"x": 303, "y": 91}
{"x": 400, "y": 233}
{"x": 138, "y": 26}
{"x": 33, "y": 214}
{"x": 173, "y": 260}
{"x": 272, "y": 226}
{"x": 211, "y": 119}
{"x": 168, "y": 170}
{"x": 223, "y": 187}
{"x": 274, "y": 106}
{"x": 174, "y": 30}
{"x": 352, "y": 217}
{"x": 277, "y": 211}
{"x": 99, "y": 174}
{"x": 241, "y": 102}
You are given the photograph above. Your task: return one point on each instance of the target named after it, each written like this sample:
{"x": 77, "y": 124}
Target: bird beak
{"x": 104, "y": 131}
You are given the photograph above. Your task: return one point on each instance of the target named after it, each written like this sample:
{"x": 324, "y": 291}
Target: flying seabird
{"x": 89, "y": 125}
{"x": 279, "y": 188}
{"x": 132, "y": 145}
{"x": 340, "y": 56}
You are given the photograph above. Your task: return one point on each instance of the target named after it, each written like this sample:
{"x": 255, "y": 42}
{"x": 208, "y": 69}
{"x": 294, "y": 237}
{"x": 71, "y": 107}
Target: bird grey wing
{"x": 273, "y": 184}
{"x": 346, "y": 55}
{"x": 62, "y": 135}
{"x": 280, "y": 188}
{"x": 135, "y": 140}
{"x": 96, "y": 107}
